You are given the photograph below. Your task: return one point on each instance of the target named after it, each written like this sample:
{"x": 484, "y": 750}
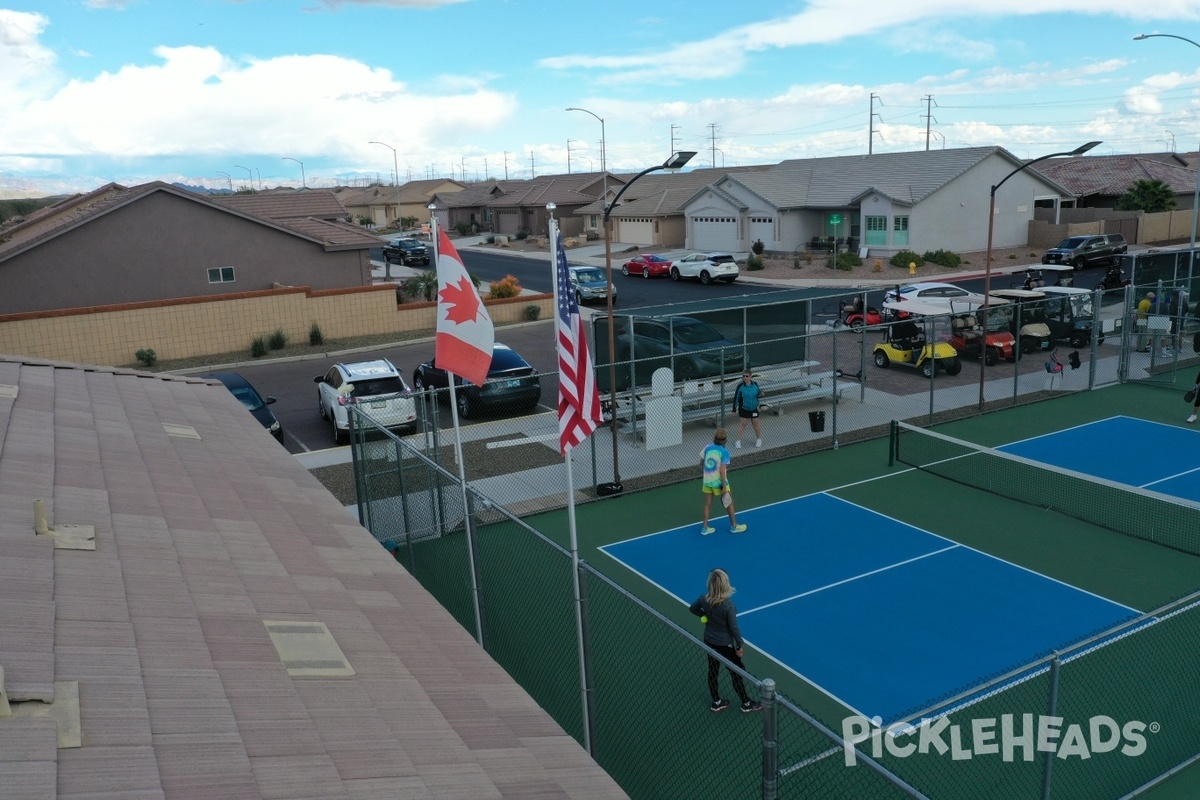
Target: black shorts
{"x": 744, "y": 414}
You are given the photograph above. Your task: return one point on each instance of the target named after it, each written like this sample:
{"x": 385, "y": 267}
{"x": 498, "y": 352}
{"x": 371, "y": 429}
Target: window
{"x": 900, "y": 231}
{"x": 876, "y": 231}
{"x": 220, "y": 275}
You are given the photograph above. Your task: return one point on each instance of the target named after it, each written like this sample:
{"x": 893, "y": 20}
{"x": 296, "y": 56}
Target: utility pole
{"x": 928, "y": 119}
{"x": 532, "y": 167}
{"x": 485, "y": 169}
{"x": 568, "y": 156}
{"x": 712, "y": 126}
{"x": 505, "y": 165}
{"x": 672, "y": 150}
{"x": 871, "y": 136}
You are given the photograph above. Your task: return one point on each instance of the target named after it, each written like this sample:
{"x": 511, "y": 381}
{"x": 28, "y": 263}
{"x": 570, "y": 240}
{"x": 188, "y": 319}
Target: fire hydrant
{"x": 912, "y": 268}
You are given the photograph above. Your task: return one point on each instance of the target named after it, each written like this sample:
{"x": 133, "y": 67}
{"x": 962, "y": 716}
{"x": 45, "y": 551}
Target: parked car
{"x": 406, "y": 251}
{"x": 376, "y": 385}
{"x": 591, "y": 285}
{"x": 251, "y": 399}
{"x": 691, "y": 348}
{"x": 708, "y": 267}
{"x": 932, "y": 293}
{"x": 1087, "y": 251}
{"x": 647, "y": 265}
{"x": 512, "y": 384}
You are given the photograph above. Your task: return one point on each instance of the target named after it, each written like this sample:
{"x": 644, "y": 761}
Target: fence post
{"x": 1048, "y": 764}
{"x": 589, "y": 694}
{"x": 770, "y": 748}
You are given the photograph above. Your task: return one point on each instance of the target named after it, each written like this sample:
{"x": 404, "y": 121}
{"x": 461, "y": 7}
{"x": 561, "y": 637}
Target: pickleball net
{"x": 1129, "y": 510}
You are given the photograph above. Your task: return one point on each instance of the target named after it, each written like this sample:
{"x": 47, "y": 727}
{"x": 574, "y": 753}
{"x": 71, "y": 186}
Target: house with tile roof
{"x": 883, "y": 202}
{"x": 383, "y": 205}
{"x": 512, "y": 205}
{"x": 157, "y": 241}
{"x": 186, "y": 612}
{"x": 1099, "y": 181}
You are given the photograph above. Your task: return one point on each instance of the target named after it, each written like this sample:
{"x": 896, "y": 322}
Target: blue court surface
{"x": 885, "y": 617}
{"x": 1135, "y": 452}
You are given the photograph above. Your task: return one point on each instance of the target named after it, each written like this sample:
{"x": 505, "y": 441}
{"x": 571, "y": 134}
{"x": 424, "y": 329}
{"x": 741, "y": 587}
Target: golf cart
{"x": 854, "y": 317}
{"x": 915, "y": 341}
{"x": 968, "y": 337}
{"x": 1070, "y": 316}
{"x": 1028, "y": 322}
{"x": 1057, "y": 275}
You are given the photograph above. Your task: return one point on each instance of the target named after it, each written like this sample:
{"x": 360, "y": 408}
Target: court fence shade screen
{"x": 1141, "y": 513}
{"x": 629, "y": 681}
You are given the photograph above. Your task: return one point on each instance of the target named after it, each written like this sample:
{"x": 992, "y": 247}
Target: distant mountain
{"x": 199, "y": 189}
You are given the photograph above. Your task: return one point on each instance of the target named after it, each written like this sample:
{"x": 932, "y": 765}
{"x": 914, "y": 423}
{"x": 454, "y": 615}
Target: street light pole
{"x": 387, "y": 265}
{"x": 987, "y": 270}
{"x": 303, "y": 181}
{"x": 1195, "y": 166}
{"x": 228, "y": 177}
{"x": 249, "y": 174}
{"x": 676, "y": 161}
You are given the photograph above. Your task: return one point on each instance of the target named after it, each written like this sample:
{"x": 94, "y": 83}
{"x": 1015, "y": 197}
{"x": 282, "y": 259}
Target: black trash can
{"x": 816, "y": 421}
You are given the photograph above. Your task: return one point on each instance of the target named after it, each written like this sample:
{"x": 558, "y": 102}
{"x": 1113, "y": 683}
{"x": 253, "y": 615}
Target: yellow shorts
{"x": 717, "y": 490}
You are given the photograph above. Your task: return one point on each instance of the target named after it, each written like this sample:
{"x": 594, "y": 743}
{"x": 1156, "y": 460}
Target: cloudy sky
{"x": 270, "y": 92}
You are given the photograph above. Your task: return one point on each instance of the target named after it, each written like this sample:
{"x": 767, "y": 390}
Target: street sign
{"x": 835, "y": 219}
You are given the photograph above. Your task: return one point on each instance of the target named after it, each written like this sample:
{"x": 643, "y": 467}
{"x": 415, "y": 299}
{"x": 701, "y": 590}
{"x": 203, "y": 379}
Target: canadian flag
{"x": 465, "y": 333}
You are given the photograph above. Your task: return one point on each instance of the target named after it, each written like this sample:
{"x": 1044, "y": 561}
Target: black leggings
{"x": 714, "y": 670}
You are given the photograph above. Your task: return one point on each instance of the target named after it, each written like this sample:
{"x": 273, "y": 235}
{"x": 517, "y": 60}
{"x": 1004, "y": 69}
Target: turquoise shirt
{"x": 746, "y": 396}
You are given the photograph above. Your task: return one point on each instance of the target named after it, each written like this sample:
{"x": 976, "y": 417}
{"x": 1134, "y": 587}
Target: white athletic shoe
{"x": 738, "y": 444}
{"x": 758, "y": 442}
{"x": 1192, "y": 418}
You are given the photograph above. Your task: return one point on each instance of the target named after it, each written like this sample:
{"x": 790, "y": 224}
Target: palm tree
{"x": 1147, "y": 195}
{"x": 424, "y": 286}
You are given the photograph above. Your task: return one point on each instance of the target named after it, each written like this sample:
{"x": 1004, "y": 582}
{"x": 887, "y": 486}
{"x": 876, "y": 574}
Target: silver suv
{"x": 590, "y": 285}
{"x": 375, "y": 386}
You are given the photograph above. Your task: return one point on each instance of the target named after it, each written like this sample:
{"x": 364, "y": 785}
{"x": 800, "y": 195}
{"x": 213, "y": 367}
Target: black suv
{"x": 406, "y": 252}
{"x": 1087, "y": 251}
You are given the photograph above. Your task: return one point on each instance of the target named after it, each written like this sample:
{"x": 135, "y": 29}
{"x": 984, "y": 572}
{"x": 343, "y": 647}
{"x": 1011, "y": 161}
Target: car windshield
{"x": 250, "y": 398}
{"x": 373, "y": 386}
{"x": 1081, "y": 305}
{"x": 589, "y": 276}
{"x": 999, "y": 318}
{"x": 696, "y": 333}
{"x": 1072, "y": 243}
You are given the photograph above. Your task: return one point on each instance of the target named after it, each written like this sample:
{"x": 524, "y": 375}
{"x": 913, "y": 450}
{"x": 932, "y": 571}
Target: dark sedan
{"x": 251, "y": 399}
{"x": 512, "y": 385}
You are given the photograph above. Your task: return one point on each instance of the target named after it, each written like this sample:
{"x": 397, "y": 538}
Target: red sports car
{"x": 647, "y": 266}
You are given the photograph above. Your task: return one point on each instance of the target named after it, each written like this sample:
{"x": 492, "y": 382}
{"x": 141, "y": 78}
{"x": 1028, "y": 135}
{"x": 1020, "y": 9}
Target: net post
{"x": 770, "y": 744}
{"x": 893, "y": 442}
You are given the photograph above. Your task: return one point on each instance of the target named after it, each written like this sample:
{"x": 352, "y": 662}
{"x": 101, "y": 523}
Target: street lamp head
{"x": 677, "y": 160}
{"x": 550, "y": 206}
{"x": 1140, "y": 36}
{"x": 1083, "y": 148}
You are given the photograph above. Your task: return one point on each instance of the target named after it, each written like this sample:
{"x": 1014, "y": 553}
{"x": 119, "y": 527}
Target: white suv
{"x": 375, "y": 386}
{"x": 708, "y": 267}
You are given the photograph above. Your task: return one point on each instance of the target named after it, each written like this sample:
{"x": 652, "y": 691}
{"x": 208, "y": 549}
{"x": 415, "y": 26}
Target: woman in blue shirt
{"x": 747, "y": 402}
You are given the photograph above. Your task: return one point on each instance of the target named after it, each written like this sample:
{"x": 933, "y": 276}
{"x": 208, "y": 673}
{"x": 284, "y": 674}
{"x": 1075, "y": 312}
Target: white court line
{"x": 852, "y": 578}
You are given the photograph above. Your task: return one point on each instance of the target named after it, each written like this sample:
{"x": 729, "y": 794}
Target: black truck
{"x": 1087, "y": 251}
{"x": 405, "y": 251}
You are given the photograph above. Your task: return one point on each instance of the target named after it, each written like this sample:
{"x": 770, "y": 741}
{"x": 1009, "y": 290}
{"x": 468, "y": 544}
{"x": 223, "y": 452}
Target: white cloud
{"x": 27, "y": 67}
{"x": 116, "y": 5}
{"x": 334, "y": 4}
{"x": 195, "y": 100}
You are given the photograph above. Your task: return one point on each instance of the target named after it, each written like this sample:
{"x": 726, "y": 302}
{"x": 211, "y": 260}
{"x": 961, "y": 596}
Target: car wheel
{"x": 674, "y": 273}
{"x": 425, "y": 261}
{"x": 578, "y": 299}
{"x": 929, "y": 368}
{"x": 339, "y": 435}
{"x": 465, "y": 407}
{"x": 418, "y": 383}
{"x": 1078, "y": 340}
{"x": 1077, "y": 263}
{"x": 625, "y": 270}
{"x": 1026, "y": 347}
{"x": 705, "y": 278}
{"x": 321, "y": 407}
{"x": 881, "y": 359}
{"x": 989, "y": 356}
{"x": 645, "y": 272}
{"x": 856, "y": 325}
{"x": 953, "y": 366}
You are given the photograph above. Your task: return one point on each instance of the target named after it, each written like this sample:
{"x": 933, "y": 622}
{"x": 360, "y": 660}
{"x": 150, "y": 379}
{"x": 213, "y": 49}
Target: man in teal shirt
{"x": 715, "y": 461}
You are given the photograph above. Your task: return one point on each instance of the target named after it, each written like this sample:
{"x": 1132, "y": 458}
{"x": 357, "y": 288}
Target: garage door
{"x": 507, "y": 222}
{"x": 711, "y": 234}
{"x": 762, "y": 229}
{"x": 635, "y": 231}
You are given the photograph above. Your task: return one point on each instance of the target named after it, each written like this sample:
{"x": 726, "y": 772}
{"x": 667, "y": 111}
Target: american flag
{"x": 578, "y": 399}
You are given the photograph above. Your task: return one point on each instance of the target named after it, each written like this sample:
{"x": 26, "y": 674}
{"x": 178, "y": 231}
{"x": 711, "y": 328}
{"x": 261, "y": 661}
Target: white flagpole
{"x": 583, "y": 675}
{"x": 468, "y": 528}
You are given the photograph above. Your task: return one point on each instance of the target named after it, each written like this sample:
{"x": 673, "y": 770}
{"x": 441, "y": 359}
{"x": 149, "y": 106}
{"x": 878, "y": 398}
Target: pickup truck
{"x": 405, "y": 251}
{"x": 1087, "y": 251}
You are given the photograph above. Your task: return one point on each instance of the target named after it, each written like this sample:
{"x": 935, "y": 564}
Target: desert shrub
{"x": 904, "y": 258}
{"x": 258, "y": 347}
{"x": 315, "y": 336}
{"x": 758, "y": 247}
{"x": 422, "y": 286}
{"x": 522, "y": 233}
{"x": 754, "y": 263}
{"x": 508, "y": 286}
{"x": 533, "y": 312}
{"x": 846, "y": 261}
{"x": 278, "y": 340}
{"x": 463, "y": 228}
{"x": 491, "y": 239}
{"x": 146, "y": 357}
{"x": 943, "y": 257}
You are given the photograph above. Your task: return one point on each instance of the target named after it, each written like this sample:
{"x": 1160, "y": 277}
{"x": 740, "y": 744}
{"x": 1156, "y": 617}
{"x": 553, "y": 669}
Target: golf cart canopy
{"x": 917, "y": 308}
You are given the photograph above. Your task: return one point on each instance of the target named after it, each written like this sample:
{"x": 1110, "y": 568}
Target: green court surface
{"x": 1121, "y": 568}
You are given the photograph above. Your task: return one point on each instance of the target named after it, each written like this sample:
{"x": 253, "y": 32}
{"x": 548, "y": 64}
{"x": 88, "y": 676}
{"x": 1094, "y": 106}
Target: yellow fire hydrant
{"x": 912, "y": 268}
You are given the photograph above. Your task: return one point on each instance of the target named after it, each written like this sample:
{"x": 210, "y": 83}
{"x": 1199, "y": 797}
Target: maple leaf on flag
{"x": 461, "y": 301}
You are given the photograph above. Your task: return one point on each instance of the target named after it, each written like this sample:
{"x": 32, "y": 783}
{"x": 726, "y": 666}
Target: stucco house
{"x": 881, "y": 203}
{"x": 508, "y": 206}
{"x": 1099, "y": 181}
{"x": 383, "y": 205}
{"x": 157, "y": 242}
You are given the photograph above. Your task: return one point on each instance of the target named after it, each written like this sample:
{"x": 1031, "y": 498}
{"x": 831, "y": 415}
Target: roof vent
{"x": 66, "y": 537}
{"x": 308, "y": 650}
{"x": 8, "y": 391}
{"x": 181, "y": 431}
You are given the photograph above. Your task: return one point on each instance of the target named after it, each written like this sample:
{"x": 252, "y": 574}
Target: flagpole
{"x": 468, "y": 526}
{"x": 584, "y": 680}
